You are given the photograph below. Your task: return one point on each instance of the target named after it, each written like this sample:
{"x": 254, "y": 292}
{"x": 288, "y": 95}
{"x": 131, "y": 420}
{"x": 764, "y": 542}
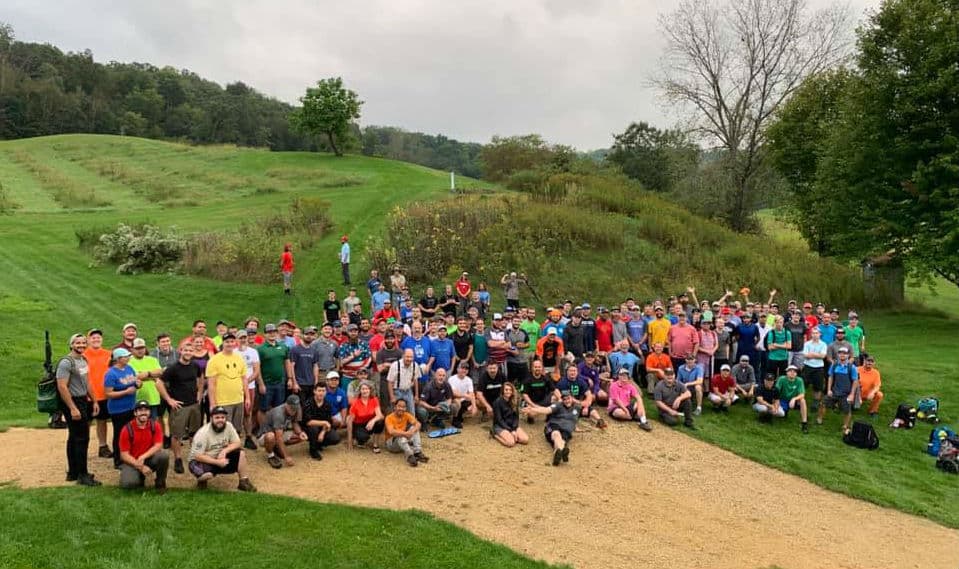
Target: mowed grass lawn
{"x": 73, "y": 528}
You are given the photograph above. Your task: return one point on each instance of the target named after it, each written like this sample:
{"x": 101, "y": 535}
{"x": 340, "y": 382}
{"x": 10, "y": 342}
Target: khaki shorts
{"x": 185, "y": 421}
{"x": 234, "y": 414}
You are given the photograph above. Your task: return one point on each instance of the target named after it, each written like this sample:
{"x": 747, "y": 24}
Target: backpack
{"x": 927, "y": 409}
{"x": 48, "y": 396}
{"x": 905, "y": 416}
{"x": 862, "y": 435}
{"x": 151, "y": 424}
{"x": 936, "y": 437}
{"x": 948, "y": 459}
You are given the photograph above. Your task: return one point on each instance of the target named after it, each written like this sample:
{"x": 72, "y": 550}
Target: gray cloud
{"x": 570, "y": 70}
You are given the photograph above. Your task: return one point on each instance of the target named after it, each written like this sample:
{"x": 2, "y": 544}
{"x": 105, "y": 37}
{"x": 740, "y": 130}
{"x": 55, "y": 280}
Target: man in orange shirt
{"x": 656, "y": 365}
{"x": 98, "y": 361}
{"x": 869, "y": 384}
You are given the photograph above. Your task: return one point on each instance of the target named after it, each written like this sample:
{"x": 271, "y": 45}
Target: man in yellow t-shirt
{"x": 225, "y": 376}
{"x": 658, "y": 328}
{"x": 403, "y": 434}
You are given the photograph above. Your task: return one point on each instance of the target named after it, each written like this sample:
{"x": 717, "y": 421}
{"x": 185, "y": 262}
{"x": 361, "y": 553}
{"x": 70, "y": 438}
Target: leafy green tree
{"x": 656, "y": 158}
{"x": 506, "y": 155}
{"x": 328, "y": 109}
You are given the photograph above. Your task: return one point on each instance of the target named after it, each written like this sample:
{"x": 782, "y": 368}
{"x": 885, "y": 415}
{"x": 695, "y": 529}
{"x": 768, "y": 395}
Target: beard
{"x": 219, "y": 429}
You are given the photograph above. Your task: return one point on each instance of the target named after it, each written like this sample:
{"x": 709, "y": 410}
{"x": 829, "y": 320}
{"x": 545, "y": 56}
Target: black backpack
{"x": 862, "y": 435}
{"x": 906, "y": 413}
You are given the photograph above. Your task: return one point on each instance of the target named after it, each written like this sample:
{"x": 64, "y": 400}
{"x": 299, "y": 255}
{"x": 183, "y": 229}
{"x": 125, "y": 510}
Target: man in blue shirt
{"x": 748, "y": 335}
{"x": 379, "y": 297}
{"x": 840, "y": 388}
{"x": 373, "y": 285}
{"x": 827, "y": 329}
{"x": 636, "y": 328}
{"x": 337, "y": 399}
{"x": 345, "y": 258}
{"x": 691, "y": 376}
{"x": 442, "y": 350}
{"x": 623, "y": 358}
{"x": 422, "y": 355}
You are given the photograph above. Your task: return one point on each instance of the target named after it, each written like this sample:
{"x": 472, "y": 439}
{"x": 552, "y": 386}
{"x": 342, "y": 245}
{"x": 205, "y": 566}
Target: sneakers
{"x": 105, "y": 452}
{"x": 71, "y": 477}
{"x": 249, "y": 444}
{"x": 566, "y": 454}
{"x": 275, "y": 461}
{"x": 315, "y": 455}
{"x": 646, "y": 426}
{"x": 88, "y": 480}
{"x": 245, "y": 485}
{"x": 411, "y": 460}
{"x": 178, "y": 466}
{"x": 203, "y": 479}
{"x": 601, "y": 424}
{"x": 422, "y": 457}
{"x": 166, "y": 441}
{"x": 557, "y": 457}
{"x": 458, "y": 423}
{"x": 698, "y": 411}
{"x": 805, "y": 428}
{"x": 689, "y": 425}
{"x": 161, "y": 489}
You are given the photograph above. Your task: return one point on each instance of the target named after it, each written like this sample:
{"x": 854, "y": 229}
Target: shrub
{"x": 140, "y": 249}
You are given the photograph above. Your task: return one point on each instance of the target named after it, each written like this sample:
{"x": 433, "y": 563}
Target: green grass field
{"x": 47, "y": 283}
{"x": 72, "y": 528}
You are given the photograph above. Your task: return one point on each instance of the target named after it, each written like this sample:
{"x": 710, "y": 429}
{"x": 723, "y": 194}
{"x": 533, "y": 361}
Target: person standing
{"x": 463, "y": 291}
{"x": 78, "y": 407}
{"x": 181, "y": 387}
{"x": 141, "y": 450}
{"x": 120, "y": 384}
{"x": 345, "y": 258}
{"x": 98, "y": 362}
{"x": 510, "y": 284}
{"x": 226, "y": 385}
{"x": 286, "y": 267}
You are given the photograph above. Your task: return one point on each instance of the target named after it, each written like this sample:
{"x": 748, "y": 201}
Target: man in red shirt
{"x": 386, "y": 313}
{"x": 722, "y": 390}
{"x": 141, "y": 450}
{"x": 286, "y": 267}
{"x": 604, "y": 332}
{"x": 463, "y": 290}
{"x": 199, "y": 331}
{"x": 683, "y": 340}
{"x": 811, "y": 320}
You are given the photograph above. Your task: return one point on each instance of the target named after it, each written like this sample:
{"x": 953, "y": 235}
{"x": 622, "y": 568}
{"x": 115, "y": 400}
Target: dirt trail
{"x": 671, "y": 494}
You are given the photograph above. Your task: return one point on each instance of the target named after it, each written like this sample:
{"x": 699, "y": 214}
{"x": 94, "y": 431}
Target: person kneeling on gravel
{"x": 317, "y": 421}
{"x": 216, "y": 450}
{"x": 560, "y": 425}
{"x": 672, "y": 400}
{"x": 403, "y": 434}
{"x": 767, "y": 403}
{"x": 273, "y": 435}
{"x": 141, "y": 451}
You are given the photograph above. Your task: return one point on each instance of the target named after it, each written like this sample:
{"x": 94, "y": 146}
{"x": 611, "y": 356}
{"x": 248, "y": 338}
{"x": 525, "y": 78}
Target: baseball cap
{"x": 142, "y": 404}
{"x": 310, "y": 329}
{"x": 565, "y": 393}
{"x": 623, "y": 371}
{"x": 841, "y": 330}
{"x": 586, "y": 305}
{"x": 293, "y": 401}
{"x": 853, "y": 315}
{"x": 332, "y": 375}
{"x": 352, "y": 327}
{"x": 229, "y": 336}
{"x": 95, "y": 331}
{"x": 250, "y": 331}
{"x": 282, "y": 322}
{"x": 551, "y": 330}
{"x": 659, "y": 309}
{"x": 387, "y": 301}
{"x": 218, "y": 323}
{"x": 844, "y": 350}
{"x": 725, "y": 368}
{"x": 792, "y": 367}
{"x": 130, "y": 325}
{"x": 744, "y": 358}
{"x": 271, "y": 327}
{"x": 139, "y": 343}
{"x": 497, "y": 316}
{"x": 218, "y": 410}
{"x": 669, "y": 371}
{"x": 770, "y": 377}
{"x": 121, "y": 353}
{"x": 335, "y": 324}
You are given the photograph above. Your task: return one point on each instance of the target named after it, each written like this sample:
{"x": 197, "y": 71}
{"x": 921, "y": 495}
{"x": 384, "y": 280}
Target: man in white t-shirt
{"x": 464, "y": 399}
{"x": 254, "y": 382}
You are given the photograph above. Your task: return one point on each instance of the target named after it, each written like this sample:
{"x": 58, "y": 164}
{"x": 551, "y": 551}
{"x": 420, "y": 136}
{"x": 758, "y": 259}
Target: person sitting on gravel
{"x": 464, "y": 397}
{"x": 506, "y": 427}
{"x": 538, "y": 388}
{"x": 792, "y": 394}
{"x": 722, "y": 390}
{"x": 672, "y": 400}
{"x": 561, "y": 422}
{"x": 580, "y": 390}
{"x": 141, "y": 450}
{"x": 216, "y": 450}
{"x": 626, "y": 402}
{"x": 436, "y": 399}
{"x": 273, "y": 433}
{"x": 365, "y": 420}
{"x": 403, "y": 434}
{"x": 317, "y": 421}
{"x": 767, "y": 403}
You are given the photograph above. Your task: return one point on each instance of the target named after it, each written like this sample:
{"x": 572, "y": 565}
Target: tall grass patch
{"x": 66, "y": 191}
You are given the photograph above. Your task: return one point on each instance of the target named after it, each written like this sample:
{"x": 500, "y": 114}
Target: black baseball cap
{"x": 218, "y": 410}
{"x": 142, "y": 404}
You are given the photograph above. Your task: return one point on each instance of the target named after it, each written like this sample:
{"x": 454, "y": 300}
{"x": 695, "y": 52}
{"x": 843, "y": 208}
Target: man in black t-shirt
{"x": 428, "y": 304}
{"x": 797, "y": 332}
{"x": 488, "y": 388}
{"x": 435, "y": 401}
{"x": 181, "y": 388}
{"x": 462, "y": 342}
{"x": 539, "y": 388}
{"x": 331, "y": 307}
{"x": 449, "y": 302}
{"x": 317, "y": 421}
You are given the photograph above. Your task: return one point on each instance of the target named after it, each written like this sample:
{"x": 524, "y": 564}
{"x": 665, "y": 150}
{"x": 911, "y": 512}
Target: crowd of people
{"x": 383, "y": 367}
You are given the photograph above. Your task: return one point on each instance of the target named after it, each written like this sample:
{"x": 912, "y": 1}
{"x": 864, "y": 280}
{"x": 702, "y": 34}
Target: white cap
{"x": 497, "y": 316}
{"x": 725, "y": 368}
{"x": 551, "y": 330}
{"x": 332, "y": 375}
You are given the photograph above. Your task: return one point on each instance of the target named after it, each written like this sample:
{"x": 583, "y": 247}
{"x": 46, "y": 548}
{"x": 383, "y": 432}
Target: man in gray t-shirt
{"x": 276, "y": 422}
{"x": 560, "y": 425}
{"x": 672, "y": 400}
{"x": 77, "y": 408}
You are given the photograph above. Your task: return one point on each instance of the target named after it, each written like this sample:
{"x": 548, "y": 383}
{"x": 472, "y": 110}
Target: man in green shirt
{"x": 856, "y": 336}
{"x": 792, "y": 394}
{"x": 531, "y": 327}
{"x": 778, "y": 344}
{"x": 275, "y": 368}
{"x": 147, "y": 369}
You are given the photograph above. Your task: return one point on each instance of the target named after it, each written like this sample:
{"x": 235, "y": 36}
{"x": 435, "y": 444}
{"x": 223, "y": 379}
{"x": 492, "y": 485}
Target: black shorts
{"x": 548, "y": 432}
{"x": 104, "y": 414}
{"x": 198, "y": 468}
{"x": 839, "y": 400}
{"x": 814, "y": 378}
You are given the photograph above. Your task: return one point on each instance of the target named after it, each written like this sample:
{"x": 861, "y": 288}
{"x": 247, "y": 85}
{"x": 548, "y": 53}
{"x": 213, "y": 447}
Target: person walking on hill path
{"x": 345, "y": 258}
{"x": 286, "y": 267}
{"x": 78, "y": 408}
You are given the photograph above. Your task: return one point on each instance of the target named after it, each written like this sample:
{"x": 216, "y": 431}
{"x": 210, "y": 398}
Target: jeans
{"x": 119, "y": 421}
{"x": 78, "y": 438}
{"x": 132, "y": 478}
{"x": 687, "y": 409}
{"x": 407, "y": 395}
{"x": 346, "y": 272}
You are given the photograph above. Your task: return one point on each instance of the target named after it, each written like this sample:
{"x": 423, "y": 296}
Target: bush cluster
{"x": 140, "y": 249}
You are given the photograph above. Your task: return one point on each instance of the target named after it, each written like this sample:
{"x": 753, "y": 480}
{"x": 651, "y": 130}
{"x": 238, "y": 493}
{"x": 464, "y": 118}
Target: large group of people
{"x": 383, "y": 367}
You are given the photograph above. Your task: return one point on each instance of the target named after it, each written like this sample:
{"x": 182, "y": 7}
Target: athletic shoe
{"x": 161, "y": 489}
{"x": 275, "y": 461}
{"x": 646, "y": 426}
{"x": 805, "y": 428}
{"x": 690, "y": 426}
{"x": 249, "y": 444}
{"x": 71, "y": 477}
{"x": 105, "y": 452}
{"x": 178, "y": 466}
{"x": 698, "y": 411}
{"x": 601, "y": 423}
{"x": 88, "y": 480}
{"x": 203, "y": 479}
{"x": 411, "y": 460}
{"x": 458, "y": 423}
{"x": 818, "y": 421}
{"x": 566, "y": 454}
{"x": 245, "y": 485}
{"x": 421, "y": 457}
{"x": 557, "y": 457}
{"x": 315, "y": 455}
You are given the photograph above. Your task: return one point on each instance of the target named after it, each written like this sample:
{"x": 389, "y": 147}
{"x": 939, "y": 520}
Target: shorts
{"x": 234, "y": 415}
{"x": 839, "y": 400}
{"x": 814, "y": 377}
{"x": 275, "y": 395}
{"x": 199, "y": 468}
{"x": 784, "y": 405}
{"x": 185, "y": 421}
{"x": 104, "y": 414}
{"x": 548, "y": 432}
{"x": 287, "y": 279}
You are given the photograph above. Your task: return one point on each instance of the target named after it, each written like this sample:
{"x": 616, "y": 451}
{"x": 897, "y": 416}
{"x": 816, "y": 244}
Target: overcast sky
{"x": 574, "y": 71}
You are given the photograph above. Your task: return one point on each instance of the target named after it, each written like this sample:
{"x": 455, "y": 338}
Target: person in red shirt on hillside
{"x": 286, "y": 267}
{"x": 141, "y": 451}
{"x": 811, "y": 320}
{"x": 199, "y": 331}
{"x": 463, "y": 290}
